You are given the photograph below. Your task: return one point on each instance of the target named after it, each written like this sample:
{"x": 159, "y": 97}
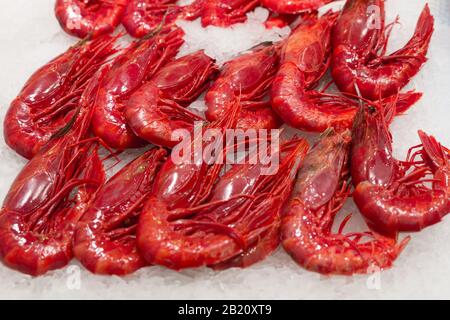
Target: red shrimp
{"x": 395, "y": 195}
{"x": 359, "y": 48}
{"x": 51, "y": 95}
{"x": 304, "y": 61}
{"x": 82, "y": 18}
{"x": 40, "y": 212}
{"x": 248, "y": 77}
{"x": 224, "y": 13}
{"x": 157, "y": 109}
{"x": 320, "y": 192}
{"x": 105, "y": 238}
{"x": 293, "y": 6}
{"x": 180, "y": 228}
{"x": 247, "y": 179}
{"x": 144, "y": 16}
{"x": 126, "y": 74}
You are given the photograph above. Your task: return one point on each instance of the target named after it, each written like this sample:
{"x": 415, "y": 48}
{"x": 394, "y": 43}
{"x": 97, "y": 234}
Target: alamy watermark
{"x": 374, "y": 277}
{"x": 74, "y": 21}
{"x": 229, "y": 147}
{"x": 375, "y": 21}
{"x": 73, "y": 281}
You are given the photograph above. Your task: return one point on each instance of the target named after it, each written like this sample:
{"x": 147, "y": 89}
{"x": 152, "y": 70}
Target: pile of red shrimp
{"x": 159, "y": 211}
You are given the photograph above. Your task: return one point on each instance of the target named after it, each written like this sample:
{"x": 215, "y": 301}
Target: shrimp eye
{"x": 371, "y": 109}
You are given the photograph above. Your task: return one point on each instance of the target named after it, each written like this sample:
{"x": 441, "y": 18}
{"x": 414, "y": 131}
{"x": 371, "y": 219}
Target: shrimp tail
{"x": 434, "y": 151}
{"x": 406, "y": 100}
{"x": 424, "y": 28}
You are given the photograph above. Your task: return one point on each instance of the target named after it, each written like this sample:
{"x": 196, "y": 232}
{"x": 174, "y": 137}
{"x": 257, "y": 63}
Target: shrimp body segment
{"x": 82, "y": 18}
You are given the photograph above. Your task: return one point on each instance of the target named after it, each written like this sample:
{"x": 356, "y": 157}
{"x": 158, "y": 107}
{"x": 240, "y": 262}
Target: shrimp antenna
{"x": 158, "y": 29}
{"x": 358, "y": 93}
{"x": 64, "y": 130}
{"x": 83, "y": 41}
{"x": 264, "y": 44}
{"x": 261, "y": 44}
{"x": 328, "y": 132}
